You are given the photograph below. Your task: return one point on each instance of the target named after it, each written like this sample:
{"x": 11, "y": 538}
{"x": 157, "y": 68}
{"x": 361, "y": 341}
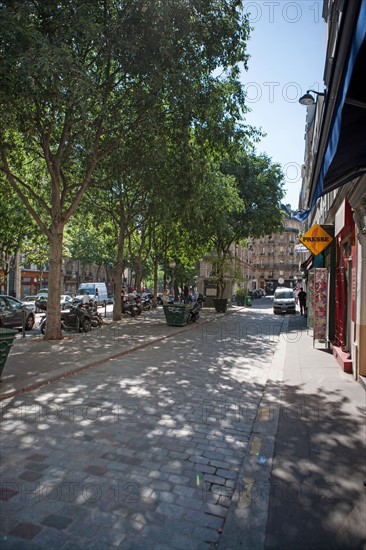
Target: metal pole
{"x": 23, "y": 324}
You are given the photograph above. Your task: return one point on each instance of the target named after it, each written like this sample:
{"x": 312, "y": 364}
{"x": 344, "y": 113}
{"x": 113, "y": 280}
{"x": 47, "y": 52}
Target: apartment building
{"x": 276, "y": 257}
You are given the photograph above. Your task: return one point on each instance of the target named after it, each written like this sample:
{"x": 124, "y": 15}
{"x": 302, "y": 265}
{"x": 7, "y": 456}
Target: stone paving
{"x": 142, "y": 451}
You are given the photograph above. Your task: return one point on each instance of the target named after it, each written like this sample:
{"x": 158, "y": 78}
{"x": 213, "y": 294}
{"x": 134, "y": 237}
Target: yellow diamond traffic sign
{"x": 316, "y": 239}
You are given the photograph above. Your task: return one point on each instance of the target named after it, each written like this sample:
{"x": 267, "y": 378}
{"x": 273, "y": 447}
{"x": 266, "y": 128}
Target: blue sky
{"x": 287, "y": 49}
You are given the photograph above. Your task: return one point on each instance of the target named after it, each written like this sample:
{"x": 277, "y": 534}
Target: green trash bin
{"x": 177, "y": 315}
{"x": 7, "y": 336}
{"x": 248, "y": 300}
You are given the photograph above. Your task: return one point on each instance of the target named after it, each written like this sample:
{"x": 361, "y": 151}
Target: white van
{"x": 99, "y": 297}
{"x": 284, "y": 300}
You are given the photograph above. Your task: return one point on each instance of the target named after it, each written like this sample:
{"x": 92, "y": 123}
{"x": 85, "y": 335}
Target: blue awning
{"x": 344, "y": 157}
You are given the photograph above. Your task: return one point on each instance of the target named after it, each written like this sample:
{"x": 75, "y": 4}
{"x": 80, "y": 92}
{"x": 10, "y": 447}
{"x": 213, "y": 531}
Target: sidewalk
{"x": 301, "y": 464}
{"x": 302, "y": 484}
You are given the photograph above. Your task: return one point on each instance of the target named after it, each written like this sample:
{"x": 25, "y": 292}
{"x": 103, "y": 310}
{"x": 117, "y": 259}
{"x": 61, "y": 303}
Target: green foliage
{"x": 260, "y": 186}
{"x": 245, "y": 202}
{"x": 121, "y": 111}
{"x": 36, "y": 251}
{"x": 241, "y": 291}
{"x": 90, "y": 239}
{"x": 17, "y": 229}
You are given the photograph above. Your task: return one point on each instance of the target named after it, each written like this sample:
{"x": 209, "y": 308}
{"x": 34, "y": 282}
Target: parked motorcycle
{"x": 96, "y": 317}
{"x": 77, "y": 319}
{"x": 137, "y": 302}
{"x": 194, "y": 312}
{"x": 92, "y": 309}
{"x": 128, "y": 308}
{"x": 147, "y": 304}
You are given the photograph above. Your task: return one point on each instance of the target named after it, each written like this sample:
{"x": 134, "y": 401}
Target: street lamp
{"x": 307, "y": 99}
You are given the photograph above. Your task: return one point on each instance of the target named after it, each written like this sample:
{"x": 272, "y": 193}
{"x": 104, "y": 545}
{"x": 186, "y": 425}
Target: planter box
{"x": 177, "y": 315}
{"x": 7, "y": 336}
{"x": 240, "y": 300}
{"x": 220, "y": 305}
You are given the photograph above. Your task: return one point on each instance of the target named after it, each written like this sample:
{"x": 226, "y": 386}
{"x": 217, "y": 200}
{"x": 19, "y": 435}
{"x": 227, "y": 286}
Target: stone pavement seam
{"x": 73, "y": 372}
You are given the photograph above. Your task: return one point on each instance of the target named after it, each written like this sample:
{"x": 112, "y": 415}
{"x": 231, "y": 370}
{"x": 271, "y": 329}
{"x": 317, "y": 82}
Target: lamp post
{"x": 307, "y": 99}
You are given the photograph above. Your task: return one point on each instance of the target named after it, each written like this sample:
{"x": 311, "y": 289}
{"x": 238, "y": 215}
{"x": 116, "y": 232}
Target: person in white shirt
{"x": 86, "y": 299}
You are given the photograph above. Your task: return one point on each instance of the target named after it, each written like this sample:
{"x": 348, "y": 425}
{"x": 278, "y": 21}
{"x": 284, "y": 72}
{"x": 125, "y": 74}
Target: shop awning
{"x": 342, "y": 152}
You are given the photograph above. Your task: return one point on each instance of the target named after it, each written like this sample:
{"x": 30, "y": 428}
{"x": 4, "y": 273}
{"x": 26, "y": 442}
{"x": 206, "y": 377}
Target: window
{"x": 284, "y": 294}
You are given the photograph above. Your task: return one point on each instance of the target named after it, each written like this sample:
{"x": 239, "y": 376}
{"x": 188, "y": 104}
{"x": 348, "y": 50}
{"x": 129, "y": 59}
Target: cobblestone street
{"x": 142, "y": 451}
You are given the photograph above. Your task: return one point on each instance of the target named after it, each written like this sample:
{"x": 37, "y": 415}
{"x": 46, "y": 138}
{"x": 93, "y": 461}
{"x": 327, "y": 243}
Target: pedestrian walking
{"x": 123, "y": 300}
{"x": 302, "y": 301}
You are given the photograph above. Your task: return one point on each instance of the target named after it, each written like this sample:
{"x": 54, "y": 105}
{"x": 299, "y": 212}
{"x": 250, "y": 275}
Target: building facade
{"x": 265, "y": 263}
{"x": 27, "y": 279}
{"x": 276, "y": 257}
{"x": 333, "y": 192}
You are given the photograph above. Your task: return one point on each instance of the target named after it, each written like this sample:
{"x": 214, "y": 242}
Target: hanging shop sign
{"x": 316, "y": 239}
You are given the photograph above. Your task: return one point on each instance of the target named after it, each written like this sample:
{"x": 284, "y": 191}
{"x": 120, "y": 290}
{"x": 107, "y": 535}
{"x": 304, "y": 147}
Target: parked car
{"x": 284, "y": 301}
{"x": 110, "y": 299}
{"x": 65, "y": 301}
{"x": 30, "y": 302}
{"x": 12, "y": 313}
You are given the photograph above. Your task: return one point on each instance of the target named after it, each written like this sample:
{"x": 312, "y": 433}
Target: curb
{"x": 246, "y": 522}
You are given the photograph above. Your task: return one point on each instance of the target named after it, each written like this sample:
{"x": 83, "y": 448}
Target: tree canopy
{"x": 78, "y": 78}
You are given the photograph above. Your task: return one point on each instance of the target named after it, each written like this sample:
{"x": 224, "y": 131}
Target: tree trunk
{"x": 138, "y": 275}
{"x": 118, "y": 275}
{"x": 176, "y": 291}
{"x": 156, "y": 276}
{"x": 53, "y": 325}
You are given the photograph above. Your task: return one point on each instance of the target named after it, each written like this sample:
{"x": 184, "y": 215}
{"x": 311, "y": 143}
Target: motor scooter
{"x": 147, "y": 304}
{"x": 194, "y": 312}
{"x": 77, "y": 319}
{"x": 96, "y": 317}
{"x": 138, "y": 304}
{"x": 127, "y": 307}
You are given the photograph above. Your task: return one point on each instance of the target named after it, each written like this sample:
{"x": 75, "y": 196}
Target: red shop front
{"x": 345, "y": 286}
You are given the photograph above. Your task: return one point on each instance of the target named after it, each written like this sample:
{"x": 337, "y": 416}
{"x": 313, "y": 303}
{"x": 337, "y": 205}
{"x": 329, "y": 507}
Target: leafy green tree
{"x": 260, "y": 186}
{"x": 78, "y": 77}
{"x": 246, "y": 203}
{"x": 90, "y": 238}
{"x": 17, "y": 228}
{"x": 36, "y": 251}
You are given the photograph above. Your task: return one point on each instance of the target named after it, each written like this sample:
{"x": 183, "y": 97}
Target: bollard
{"x": 23, "y": 323}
